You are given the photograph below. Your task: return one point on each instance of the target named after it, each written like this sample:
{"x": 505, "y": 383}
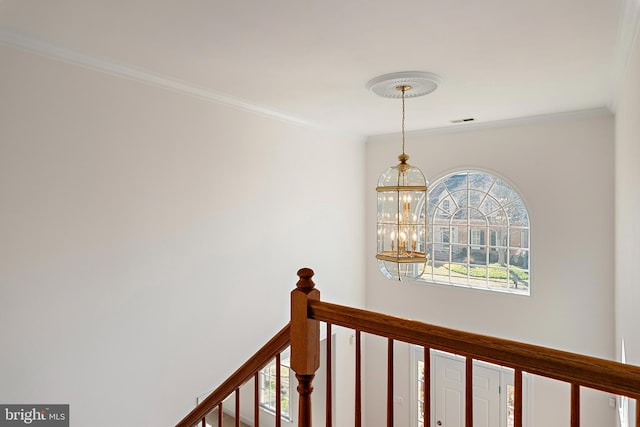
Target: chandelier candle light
{"x": 402, "y": 190}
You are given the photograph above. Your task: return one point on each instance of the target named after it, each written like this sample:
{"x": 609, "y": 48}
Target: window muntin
{"x": 478, "y": 233}
{"x": 268, "y": 393}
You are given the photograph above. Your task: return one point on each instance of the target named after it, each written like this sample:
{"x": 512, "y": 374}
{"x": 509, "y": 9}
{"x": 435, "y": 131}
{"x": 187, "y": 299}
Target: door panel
{"x": 448, "y": 393}
{"x": 486, "y": 397}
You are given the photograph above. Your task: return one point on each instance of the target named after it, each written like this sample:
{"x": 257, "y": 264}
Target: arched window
{"x": 478, "y": 233}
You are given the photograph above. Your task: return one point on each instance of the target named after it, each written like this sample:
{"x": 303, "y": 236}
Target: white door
{"x": 486, "y": 396}
{"x": 448, "y": 393}
{"x": 448, "y": 396}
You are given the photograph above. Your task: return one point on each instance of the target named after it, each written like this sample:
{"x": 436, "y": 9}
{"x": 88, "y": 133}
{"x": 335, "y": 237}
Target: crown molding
{"x": 628, "y": 30}
{"x": 517, "y": 121}
{"x": 28, "y": 43}
{"x": 627, "y": 35}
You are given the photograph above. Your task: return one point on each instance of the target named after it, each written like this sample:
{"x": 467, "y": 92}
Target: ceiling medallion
{"x": 421, "y": 82}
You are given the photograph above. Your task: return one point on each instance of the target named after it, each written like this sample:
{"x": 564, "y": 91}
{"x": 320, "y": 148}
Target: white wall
{"x": 627, "y": 178}
{"x": 563, "y": 169}
{"x": 149, "y": 240}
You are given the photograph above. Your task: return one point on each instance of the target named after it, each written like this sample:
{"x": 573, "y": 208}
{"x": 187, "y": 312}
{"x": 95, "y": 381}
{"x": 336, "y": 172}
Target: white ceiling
{"x": 310, "y": 60}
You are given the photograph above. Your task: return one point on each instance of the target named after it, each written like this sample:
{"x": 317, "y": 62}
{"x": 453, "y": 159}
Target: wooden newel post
{"x": 305, "y": 342}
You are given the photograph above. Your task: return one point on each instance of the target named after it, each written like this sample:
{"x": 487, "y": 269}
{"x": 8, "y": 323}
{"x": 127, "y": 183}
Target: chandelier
{"x": 402, "y": 190}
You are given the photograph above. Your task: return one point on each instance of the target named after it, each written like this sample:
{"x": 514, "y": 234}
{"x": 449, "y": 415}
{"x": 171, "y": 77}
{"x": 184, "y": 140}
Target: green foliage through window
{"x": 494, "y": 271}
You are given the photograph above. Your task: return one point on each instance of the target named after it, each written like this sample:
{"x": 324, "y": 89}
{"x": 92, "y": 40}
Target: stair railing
{"x": 242, "y": 375}
{"x": 307, "y": 311}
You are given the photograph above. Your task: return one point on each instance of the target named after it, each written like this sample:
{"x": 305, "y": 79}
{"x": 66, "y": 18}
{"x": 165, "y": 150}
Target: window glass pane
{"x": 476, "y": 198}
{"x": 480, "y": 181}
{"x": 441, "y": 252}
{"x": 524, "y": 236}
{"x": 516, "y": 238}
{"x": 444, "y": 208}
{"x": 519, "y": 258}
{"x": 490, "y": 206}
{"x": 460, "y": 199}
{"x": 498, "y": 217}
{"x": 476, "y": 237}
{"x": 456, "y": 182}
{"x": 499, "y": 236}
{"x": 460, "y": 215}
{"x": 503, "y": 192}
{"x": 443, "y": 235}
{"x": 517, "y": 214}
{"x": 437, "y": 194}
{"x": 477, "y": 217}
{"x": 458, "y": 253}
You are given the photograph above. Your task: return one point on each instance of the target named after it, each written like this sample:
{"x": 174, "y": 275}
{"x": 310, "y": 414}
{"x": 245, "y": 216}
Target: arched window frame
{"x": 478, "y": 233}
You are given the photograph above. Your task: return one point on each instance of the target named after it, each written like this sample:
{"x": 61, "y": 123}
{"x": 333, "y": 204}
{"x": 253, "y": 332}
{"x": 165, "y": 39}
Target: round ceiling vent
{"x": 420, "y": 83}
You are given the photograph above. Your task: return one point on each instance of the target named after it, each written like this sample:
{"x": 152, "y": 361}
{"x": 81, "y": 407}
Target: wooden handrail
{"x": 303, "y": 335}
{"x": 592, "y": 372}
{"x": 248, "y": 370}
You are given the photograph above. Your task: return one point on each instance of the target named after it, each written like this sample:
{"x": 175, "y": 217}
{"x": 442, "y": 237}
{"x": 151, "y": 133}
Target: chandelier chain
{"x": 403, "y": 89}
